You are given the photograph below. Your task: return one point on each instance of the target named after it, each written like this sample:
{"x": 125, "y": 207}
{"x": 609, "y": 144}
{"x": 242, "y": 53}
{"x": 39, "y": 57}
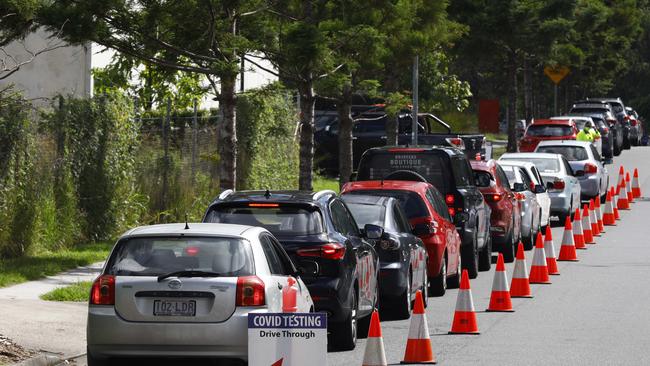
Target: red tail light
{"x": 456, "y": 141}
{"x": 558, "y": 184}
{"x": 451, "y": 211}
{"x": 627, "y": 118}
{"x": 449, "y": 199}
{"x": 633, "y": 122}
{"x": 250, "y": 291}
{"x": 192, "y": 251}
{"x": 520, "y": 196}
{"x": 103, "y": 291}
{"x": 591, "y": 168}
{"x": 493, "y": 197}
{"x": 611, "y": 122}
{"x": 333, "y": 251}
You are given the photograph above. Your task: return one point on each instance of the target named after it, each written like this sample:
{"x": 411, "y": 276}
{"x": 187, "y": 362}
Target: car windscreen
{"x": 549, "y": 130}
{"x": 432, "y": 166}
{"x": 279, "y": 219}
{"x": 155, "y": 256}
{"x": 367, "y": 214}
{"x": 544, "y": 165}
{"x": 411, "y": 202}
{"x": 571, "y": 153}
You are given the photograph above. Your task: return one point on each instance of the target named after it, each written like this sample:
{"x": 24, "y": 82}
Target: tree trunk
{"x": 307, "y": 104}
{"x": 391, "y": 130}
{"x": 346, "y": 159}
{"x": 228, "y": 133}
{"x": 512, "y": 102}
{"x": 528, "y": 91}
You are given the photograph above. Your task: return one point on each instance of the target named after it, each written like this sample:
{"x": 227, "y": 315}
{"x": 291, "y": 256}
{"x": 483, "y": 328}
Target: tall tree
{"x": 200, "y": 36}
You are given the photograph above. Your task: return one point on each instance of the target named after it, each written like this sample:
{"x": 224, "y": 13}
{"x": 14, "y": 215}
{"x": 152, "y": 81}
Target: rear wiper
{"x": 189, "y": 274}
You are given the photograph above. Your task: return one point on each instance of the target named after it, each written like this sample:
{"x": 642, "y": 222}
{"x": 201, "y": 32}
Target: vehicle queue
{"x": 412, "y": 220}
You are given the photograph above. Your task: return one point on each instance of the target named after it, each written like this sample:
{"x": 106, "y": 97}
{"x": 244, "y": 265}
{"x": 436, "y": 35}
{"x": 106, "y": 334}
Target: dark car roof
{"x": 451, "y": 151}
{"x": 367, "y": 199}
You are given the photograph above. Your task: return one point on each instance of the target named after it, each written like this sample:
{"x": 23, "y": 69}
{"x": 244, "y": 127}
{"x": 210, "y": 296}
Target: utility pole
{"x": 414, "y": 113}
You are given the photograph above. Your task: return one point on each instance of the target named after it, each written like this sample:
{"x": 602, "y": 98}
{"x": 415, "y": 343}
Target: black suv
{"x": 604, "y": 111}
{"x": 449, "y": 171}
{"x": 336, "y": 262}
{"x": 618, "y": 108}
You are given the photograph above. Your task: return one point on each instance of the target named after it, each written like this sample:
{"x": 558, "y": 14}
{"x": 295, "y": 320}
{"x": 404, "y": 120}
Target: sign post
{"x": 287, "y": 339}
{"x": 556, "y": 74}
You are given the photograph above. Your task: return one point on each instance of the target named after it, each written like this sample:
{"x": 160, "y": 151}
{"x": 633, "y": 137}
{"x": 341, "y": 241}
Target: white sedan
{"x": 172, "y": 290}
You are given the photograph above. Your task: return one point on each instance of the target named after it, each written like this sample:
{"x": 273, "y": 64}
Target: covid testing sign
{"x": 287, "y": 339}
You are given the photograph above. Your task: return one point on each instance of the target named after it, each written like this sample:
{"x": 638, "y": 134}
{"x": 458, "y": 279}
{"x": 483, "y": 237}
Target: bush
{"x": 267, "y": 148}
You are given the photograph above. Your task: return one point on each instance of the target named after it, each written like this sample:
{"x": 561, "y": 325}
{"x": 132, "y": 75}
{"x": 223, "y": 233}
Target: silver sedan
{"x": 563, "y": 187}
{"x": 170, "y": 291}
{"x": 585, "y": 162}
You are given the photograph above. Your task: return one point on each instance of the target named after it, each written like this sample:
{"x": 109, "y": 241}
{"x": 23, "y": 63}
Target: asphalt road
{"x": 595, "y": 312}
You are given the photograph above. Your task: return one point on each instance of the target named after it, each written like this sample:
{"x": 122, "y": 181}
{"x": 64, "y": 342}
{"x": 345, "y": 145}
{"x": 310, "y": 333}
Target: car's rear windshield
{"x": 586, "y": 110}
{"x": 544, "y": 165}
{"x": 411, "y": 202}
{"x": 549, "y": 130}
{"x": 510, "y": 173}
{"x": 155, "y": 256}
{"x": 279, "y": 219}
{"x": 571, "y": 153}
{"x": 364, "y": 213}
{"x": 433, "y": 167}
{"x": 617, "y": 107}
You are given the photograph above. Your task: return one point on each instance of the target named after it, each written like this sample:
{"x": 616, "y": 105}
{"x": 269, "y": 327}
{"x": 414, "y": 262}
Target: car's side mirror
{"x": 518, "y": 187}
{"x": 580, "y": 173}
{"x": 307, "y": 268}
{"x": 460, "y": 217}
{"x": 373, "y": 231}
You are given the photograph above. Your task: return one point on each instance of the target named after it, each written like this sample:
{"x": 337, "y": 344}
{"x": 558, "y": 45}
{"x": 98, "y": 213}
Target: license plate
{"x": 174, "y": 308}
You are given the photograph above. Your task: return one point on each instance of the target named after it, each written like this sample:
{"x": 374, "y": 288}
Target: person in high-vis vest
{"x": 585, "y": 133}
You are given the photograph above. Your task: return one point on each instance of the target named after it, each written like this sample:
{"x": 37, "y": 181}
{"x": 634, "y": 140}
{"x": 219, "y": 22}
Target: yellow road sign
{"x": 556, "y": 74}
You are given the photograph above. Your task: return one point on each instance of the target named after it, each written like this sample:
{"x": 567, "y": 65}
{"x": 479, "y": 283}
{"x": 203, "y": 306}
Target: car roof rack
{"x": 225, "y": 194}
{"x": 322, "y": 193}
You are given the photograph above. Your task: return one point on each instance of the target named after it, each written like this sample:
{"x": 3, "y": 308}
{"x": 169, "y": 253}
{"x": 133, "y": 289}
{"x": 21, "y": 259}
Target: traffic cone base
{"x": 500, "y": 298}
{"x": 418, "y": 345}
{"x": 539, "y": 272}
{"x": 538, "y": 269}
{"x": 464, "y": 315}
{"x": 551, "y": 264}
{"x": 497, "y": 300}
{"x": 568, "y": 249}
{"x": 464, "y": 320}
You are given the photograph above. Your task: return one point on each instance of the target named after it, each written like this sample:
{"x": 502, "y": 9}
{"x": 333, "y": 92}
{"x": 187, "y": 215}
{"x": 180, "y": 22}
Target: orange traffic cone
{"x": 586, "y": 226}
{"x": 599, "y": 216}
{"x": 375, "y": 355}
{"x": 608, "y": 216}
{"x": 549, "y": 250}
{"x": 592, "y": 217}
{"x": 623, "y": 203}
{"x": 615, "y": 193}
{"x": 538, "y": 270}
{"x": 628, "y": 188}
{"x": 500, "y": 298}
{"x": 418, "y": 345}
{"x": 568, "y": 248}
{"x": 636, "y": 188}
{"x": 621, "y": 174}
{"x": 520, "y": 287}
{"x": 578, "y": 231}
{"x": 464, "y": 317}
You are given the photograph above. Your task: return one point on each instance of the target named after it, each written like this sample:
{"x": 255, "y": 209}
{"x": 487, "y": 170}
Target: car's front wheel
{"x": 344, "y": 335}
{"x": 438, "y": 285}
{"x": 470, "y": 258}
{"x": 508, "y": 249}
{"x": 485, "y": 258}
{"x": 401, "y": 308}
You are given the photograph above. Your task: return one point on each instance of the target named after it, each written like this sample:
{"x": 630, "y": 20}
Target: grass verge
{"x": 47, "y": 263}
{"x": 321, "y": 183}
{"x": 76, "y": 292}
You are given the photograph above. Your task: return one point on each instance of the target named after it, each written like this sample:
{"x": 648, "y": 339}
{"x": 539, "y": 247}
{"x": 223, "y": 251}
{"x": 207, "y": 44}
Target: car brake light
{"x": 191, "y": 251}
{"x": 103, "y": 291}
{"x": 263, "y": 205}
{"x": 520, "y": 196}
{"x": 333, "y": 251}
{"x": 450, "y": 199}
{"x": 590, "y": 168}
{"x": 633, "y": 122}
{"x": 558, "y": 184}
{"x": 456, "y": 141}
{"x": 250, "y": 291}
{"x": 451, "y": 211}
{"x": 493, "y": 197}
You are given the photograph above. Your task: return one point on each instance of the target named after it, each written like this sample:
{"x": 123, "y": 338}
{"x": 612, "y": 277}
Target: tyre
{"x": 401, "y": 307}
{"x": 95, "y": 361}
{"x": 626, "y": 143}
{"x": 344, "y": 335}
{"x": 485, "y": 258}
{"x": 529, "y": 242}
{"x": 438, "y": 285}
{"x": 470, "y": 258}
{"x": 508, "y": 249}
{"x": 617, "y": 150}
{"x": 454, "y": 281}
{"x": 425, "y": 285}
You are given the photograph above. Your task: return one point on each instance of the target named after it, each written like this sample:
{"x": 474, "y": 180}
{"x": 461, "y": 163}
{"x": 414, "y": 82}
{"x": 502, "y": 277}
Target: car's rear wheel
{"x": 626, "y": 143}
{"x": 425, "y": 285}
{"x": 438, "y": 286}
{"x": 485, "y": 258}
{"x": 454, "y": 281}
{"x": 508, "y": 249}
{"x": 529, "y": 242}
{"x": 402, "y": 306}
{"x": 470, "y": 258}
{"x": 344, "y": 335}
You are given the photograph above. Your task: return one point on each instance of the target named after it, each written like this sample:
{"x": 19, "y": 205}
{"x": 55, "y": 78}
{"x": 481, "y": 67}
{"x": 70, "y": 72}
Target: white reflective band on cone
{"x": 419, "y": 328}
{"x": 520, "y": 269}
{"x": 586, "y": 222}
{"x": 592, "y": 217}
{"x": 577, "y": 227}
{"x": 464, "y": 301}
{"x": 549, "y": 249}
{"x": 567, "y": 238}
{"x": 375, "y": 355}
{"x": 539, "y": 258}
{"x": 628, "y": 186}
{"x": 609, "y": 208}
{"x": 500, "y": 281}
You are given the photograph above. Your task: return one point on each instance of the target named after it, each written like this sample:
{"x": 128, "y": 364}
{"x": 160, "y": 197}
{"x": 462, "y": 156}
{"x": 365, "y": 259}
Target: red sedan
{"x": 429, "y": 216}
{"x": 547, "y": 129}
{"x": 505, "y": 220}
